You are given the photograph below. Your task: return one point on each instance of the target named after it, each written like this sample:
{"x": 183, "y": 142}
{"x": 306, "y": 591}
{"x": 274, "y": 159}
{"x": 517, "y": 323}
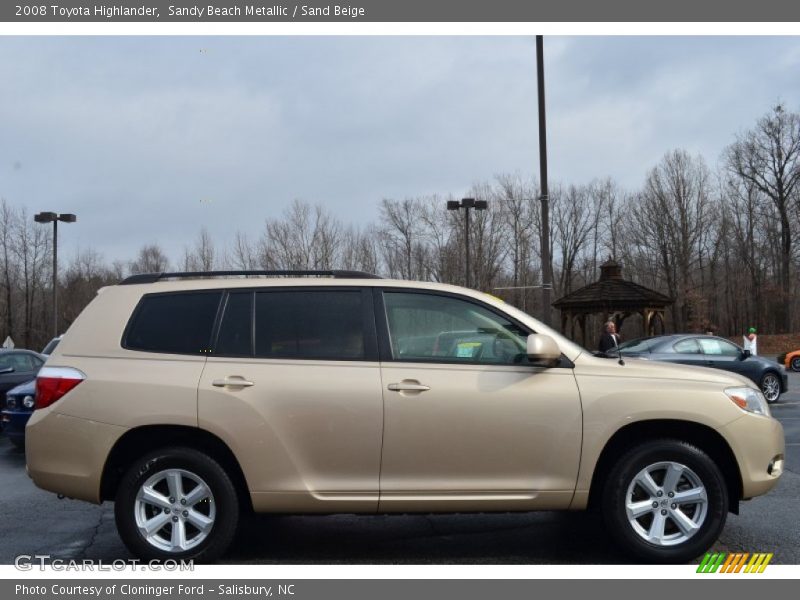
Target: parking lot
{"x": 35, "y": 522}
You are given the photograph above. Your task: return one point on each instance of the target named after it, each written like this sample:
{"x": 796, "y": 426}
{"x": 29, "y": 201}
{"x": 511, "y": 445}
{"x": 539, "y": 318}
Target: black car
{"x": 18, "y": 366}
{"x": 710, "y": 351}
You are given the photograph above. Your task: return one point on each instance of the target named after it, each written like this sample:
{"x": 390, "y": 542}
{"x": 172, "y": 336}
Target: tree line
{"x": 722, "y": 242}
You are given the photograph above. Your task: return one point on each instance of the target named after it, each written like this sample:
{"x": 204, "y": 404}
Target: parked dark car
{"x": 710, "y": 351}
{"x": 18, "y": 366}
{"x": 17, "y": 408}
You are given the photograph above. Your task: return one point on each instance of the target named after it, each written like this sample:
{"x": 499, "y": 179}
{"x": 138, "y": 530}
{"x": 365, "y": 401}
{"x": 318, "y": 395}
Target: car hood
{"x": 652, "y": 369}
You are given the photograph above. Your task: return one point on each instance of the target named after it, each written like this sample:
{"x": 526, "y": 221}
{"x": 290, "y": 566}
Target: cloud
{"x": 150, "y": 139}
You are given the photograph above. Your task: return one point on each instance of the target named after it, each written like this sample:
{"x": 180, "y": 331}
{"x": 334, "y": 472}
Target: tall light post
{"x": 547, "y": 275}
{"x": 466, "y": 204}
{"x": 54, "y": 218}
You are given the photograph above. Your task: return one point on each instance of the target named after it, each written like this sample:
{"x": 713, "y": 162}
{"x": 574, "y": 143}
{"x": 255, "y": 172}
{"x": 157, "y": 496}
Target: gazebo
{"x": 615, "y": 299}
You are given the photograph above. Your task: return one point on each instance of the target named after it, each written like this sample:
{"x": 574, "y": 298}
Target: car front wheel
{"x": 771, "y": 387}
{"x": 665, "y": 501}
{"x": 795, "y": 364}
{"x": 177, "y": 503}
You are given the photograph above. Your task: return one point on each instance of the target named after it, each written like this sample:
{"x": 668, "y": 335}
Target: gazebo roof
{"x": 611, "y": 292}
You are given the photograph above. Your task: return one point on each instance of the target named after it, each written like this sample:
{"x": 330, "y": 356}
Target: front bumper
{"x": 784, "y": 382}
{"x": 758, "y": 444}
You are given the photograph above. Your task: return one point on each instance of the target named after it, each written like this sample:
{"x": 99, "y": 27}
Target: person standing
{"x": 750, "y": 341}
{"x": 610, "y": 338}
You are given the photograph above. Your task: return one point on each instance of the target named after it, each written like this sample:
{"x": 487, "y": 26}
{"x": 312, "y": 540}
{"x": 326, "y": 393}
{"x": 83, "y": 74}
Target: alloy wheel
{"x": 771, "y": 387}
{"x": 666, "y": 503}
{"x": 174, "y": 510}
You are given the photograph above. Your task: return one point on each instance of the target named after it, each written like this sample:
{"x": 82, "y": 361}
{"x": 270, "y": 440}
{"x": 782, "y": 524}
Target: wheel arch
{"x": 141, "y": 440}
{"x": 702, "y": 436}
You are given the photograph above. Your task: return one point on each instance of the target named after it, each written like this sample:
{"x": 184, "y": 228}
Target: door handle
{"x": 232, "y": 381}
{"x": 408, "y": 385}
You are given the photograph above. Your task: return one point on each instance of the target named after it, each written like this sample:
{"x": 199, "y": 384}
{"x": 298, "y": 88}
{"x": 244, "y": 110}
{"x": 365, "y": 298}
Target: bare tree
{"x": 673, "y": 213}
{"x": 768, "y": 157}
{"x": 306, "y": 237}
{"x": 150, "y": 259}
{"x": 201, "y": 257}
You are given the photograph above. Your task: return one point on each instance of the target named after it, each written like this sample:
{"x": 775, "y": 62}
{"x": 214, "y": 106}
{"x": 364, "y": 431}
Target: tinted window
{"x": 442, "y": 328}
{"x": 689, "y": 346}
{"x": 174, "y": 323}
{"x": 236, "y": 331}
{"x": 311, "y": 324}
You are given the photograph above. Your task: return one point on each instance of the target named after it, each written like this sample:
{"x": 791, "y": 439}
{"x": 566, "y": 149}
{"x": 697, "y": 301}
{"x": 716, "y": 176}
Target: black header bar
{"x": 462, "y": 11}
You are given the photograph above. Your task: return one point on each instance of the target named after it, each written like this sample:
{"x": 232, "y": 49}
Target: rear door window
{"x": 314, "y": 324}
{"x": 689, "y": 346}
{"x": 236, "y": 330}
{"x": 180, "y": 323}
{"x": 718, "y": 347}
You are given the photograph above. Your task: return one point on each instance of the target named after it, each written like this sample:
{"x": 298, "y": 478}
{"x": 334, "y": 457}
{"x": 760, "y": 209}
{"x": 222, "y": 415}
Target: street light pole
{"x": 466, "y": 246}
{"x": 54, "y": 218}
{"x": 466, "y": 204}
{"x": 547, "y": 276}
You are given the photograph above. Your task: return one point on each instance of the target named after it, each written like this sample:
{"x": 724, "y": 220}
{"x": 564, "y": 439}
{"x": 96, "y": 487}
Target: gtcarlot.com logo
{"x": 737, "y": 562}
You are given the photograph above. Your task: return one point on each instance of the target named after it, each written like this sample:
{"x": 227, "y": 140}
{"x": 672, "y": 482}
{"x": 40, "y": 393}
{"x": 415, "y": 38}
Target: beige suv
{"x": 190, "y": 399}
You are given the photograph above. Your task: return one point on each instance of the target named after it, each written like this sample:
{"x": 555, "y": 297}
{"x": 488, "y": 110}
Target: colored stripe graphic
{"x": 735, "y": 562}
{"x": 729, "y": 562}
{"x": 702, "y": 566}
{"x": 744, "y": 558}
{"x": 766, "y": 562}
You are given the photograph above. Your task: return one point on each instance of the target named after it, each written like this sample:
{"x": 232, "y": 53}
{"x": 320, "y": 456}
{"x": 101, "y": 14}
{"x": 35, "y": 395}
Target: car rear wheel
{"x": 771, "y": 387}
{"x": 665, "y": 501}
{"x": 795, "y": 364}
{"x": 177, "y": 503}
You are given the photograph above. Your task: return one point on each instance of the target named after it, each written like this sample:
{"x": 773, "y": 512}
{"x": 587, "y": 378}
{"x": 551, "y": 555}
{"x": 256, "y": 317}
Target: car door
{"x": 469, "y": 424}
{"x": 293, "y": 387}
{"x": 722, "y": 354}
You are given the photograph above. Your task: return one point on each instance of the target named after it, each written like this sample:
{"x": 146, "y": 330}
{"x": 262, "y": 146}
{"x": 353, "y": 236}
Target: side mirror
{"x": 543, "y": 350}
{"x": 746, "y": 354}
{"x": 6, "y": 370}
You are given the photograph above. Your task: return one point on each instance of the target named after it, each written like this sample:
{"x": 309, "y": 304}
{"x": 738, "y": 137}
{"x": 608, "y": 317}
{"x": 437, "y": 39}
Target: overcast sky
{"x": 148, "y": 139}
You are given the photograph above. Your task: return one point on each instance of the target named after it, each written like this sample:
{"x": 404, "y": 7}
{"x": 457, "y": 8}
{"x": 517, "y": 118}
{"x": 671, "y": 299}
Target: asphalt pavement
{"x": 36, "y": 522}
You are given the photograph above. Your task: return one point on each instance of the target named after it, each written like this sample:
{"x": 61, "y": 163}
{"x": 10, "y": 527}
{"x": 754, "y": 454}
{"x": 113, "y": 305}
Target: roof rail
{"x": 153, "y": 277}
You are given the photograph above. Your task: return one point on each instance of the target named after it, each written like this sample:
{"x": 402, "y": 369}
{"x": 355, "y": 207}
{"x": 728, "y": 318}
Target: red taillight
{"x": 53, "y": 383}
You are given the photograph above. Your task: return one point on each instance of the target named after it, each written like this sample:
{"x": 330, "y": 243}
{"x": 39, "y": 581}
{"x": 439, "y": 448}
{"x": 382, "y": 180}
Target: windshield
{"x": 639, "y": 345}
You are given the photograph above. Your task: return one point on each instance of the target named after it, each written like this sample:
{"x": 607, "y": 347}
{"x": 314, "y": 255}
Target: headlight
{"x": 749, "y": 399}
{"x": 28, "y": 402}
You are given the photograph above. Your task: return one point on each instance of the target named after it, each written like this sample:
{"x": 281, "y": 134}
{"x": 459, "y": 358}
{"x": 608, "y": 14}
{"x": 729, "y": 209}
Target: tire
{"x": 208, "y": 519}
{"x": 694, "y": 471}
{"x": 771, "y": 387}
{"x": 795, "y": 363}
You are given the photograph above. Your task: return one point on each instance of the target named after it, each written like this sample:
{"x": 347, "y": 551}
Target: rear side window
{"x": 173, "y": 323}
{"x": 236, "y": 330}
{"x": 328, "y": 325}
{"x": 689, "y": 346}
